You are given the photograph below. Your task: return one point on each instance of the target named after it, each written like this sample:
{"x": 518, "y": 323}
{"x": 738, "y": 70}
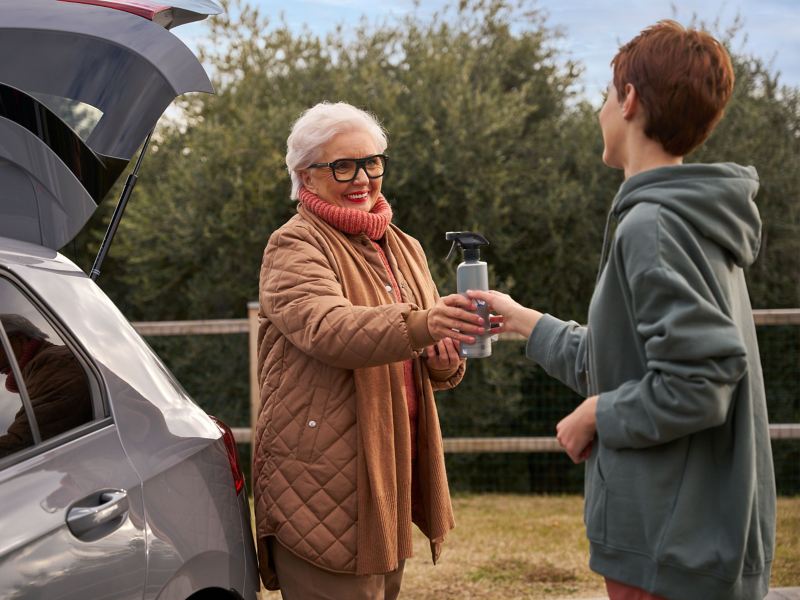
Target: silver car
{"x": 113, "y": 482}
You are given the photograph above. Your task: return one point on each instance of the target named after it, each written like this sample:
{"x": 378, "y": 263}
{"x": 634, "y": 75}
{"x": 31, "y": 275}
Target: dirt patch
{"x": 509, "y": 570}
{"x": 547, "y": 573}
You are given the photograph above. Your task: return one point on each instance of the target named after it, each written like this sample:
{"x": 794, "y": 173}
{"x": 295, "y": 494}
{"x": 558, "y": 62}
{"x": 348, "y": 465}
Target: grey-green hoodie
{"x": 680, "y": 490}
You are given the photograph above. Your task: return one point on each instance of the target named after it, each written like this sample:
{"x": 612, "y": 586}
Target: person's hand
{"x": 443, "y": 355}
{"x": 450, "y": 317}
{"x": 576, "y": 431}
{"x": 496, "y": 323}
{"x": 515, "y": 317}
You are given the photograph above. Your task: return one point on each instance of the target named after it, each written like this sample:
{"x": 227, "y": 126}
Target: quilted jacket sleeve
{"x": 301, "y": 295}
{"x": 445, "y": 379}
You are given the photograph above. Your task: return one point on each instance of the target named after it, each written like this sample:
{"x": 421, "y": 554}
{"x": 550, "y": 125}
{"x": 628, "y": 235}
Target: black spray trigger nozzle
{"x": 469, "y": 242}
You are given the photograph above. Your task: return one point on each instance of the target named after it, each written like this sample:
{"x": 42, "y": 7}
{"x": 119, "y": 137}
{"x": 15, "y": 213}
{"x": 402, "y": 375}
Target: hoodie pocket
{"x": 641, "y": 491}
{"x": 594, "y": 507}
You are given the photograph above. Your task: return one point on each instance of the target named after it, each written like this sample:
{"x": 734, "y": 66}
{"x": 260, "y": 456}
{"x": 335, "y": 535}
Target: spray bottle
{"x": 472, "y": 274}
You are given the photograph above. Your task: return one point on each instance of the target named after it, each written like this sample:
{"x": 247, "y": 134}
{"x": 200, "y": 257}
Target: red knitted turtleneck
{"x": 350, "y": 220}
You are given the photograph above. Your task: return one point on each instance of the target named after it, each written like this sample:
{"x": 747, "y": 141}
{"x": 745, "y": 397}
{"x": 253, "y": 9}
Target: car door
{"x": 71, "y": 511}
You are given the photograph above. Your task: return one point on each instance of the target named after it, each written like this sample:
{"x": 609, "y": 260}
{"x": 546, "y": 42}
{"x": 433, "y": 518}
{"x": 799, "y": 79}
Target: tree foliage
{"x": 486, "y": 133}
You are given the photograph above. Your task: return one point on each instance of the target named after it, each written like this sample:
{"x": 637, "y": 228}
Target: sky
{"x": 594, "y": 29}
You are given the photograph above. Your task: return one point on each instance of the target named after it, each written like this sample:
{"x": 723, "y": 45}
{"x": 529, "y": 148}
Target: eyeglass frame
{"x": 361, "y": 165}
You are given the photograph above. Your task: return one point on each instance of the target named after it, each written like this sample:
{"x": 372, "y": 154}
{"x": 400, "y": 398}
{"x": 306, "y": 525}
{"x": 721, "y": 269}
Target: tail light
{"x": 233, "y": 454}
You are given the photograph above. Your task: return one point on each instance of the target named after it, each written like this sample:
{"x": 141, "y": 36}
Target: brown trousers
{"x": 301, "y": 580}
{"x": 622, "y": 591}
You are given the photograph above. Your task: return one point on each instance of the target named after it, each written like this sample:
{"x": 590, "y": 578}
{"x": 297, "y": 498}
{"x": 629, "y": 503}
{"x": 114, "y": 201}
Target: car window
{"x": 81, "y": 117}
{"x": 14, "y": 433}
{"x": 44, "y": 388}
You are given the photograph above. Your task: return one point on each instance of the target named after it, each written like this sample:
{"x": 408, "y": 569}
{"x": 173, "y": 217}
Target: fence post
{"x": 255, "y": 393}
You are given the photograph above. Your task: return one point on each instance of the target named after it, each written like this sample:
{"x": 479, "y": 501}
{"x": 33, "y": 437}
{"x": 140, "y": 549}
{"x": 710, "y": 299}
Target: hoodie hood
{"x": 717, "y": 199}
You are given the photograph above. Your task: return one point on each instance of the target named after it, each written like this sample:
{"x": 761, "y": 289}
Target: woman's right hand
{"x": 451, "y": 317}
{"x": 516, "y": 318}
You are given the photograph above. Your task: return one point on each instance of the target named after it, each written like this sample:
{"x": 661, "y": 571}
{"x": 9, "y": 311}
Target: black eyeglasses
{"x": 345, "y": 170}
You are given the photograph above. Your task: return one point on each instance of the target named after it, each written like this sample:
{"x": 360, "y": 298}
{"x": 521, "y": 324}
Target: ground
{"x": 534, "y": 548}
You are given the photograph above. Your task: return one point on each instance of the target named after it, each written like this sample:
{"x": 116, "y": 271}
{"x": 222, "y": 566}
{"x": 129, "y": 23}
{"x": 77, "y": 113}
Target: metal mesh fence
{"x": 501, "y": 397}
{"x": 780, "y": 361}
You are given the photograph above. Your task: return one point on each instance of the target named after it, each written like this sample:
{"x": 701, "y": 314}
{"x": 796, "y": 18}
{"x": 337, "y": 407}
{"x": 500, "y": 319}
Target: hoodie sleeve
{"x": 694, "y": 356}
{"x": 301, "y": 295}
{"x": 560, "y": 348}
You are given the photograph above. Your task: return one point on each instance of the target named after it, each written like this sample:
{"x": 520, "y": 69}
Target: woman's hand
{"x": 515, "y": 317}
{"x": 450, "y": 317}
{"x": 443, "y": 355}
{"x": 576, "y": 431}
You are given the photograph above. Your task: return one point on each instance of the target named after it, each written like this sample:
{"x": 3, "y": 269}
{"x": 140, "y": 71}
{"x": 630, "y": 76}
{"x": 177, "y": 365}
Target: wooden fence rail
{"x": 472, "y": 445}
{"x": 788, "y": 316}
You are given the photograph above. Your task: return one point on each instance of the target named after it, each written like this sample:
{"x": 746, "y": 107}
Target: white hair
{"x": 317, "y": 126}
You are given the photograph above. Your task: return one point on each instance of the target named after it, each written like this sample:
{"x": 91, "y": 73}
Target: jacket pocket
{"x": 271, "y": 378}
{"x": 310, "y": 427}
{"x": 270, "y": 381}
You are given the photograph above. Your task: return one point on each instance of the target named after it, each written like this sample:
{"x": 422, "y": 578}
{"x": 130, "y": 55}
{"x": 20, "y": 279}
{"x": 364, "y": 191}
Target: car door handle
{"x": 107, "y": 508}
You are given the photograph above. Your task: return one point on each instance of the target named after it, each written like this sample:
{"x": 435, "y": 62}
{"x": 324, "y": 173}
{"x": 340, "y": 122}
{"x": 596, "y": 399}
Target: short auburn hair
{"x": 684, "y": 78}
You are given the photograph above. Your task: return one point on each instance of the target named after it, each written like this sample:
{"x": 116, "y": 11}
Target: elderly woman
{"x": 353, "y": 341}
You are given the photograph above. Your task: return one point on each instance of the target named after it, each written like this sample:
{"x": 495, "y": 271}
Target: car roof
{"x": 14, "y": 253}
{"x": 126, "y": 67}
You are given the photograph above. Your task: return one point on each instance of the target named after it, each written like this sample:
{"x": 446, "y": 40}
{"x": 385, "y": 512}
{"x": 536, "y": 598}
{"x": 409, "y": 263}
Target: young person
{"x": 680, "y": 492}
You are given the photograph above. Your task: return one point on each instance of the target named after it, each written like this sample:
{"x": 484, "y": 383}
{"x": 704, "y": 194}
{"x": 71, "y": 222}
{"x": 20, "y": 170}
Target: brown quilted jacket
{"x": 332, "y": 462}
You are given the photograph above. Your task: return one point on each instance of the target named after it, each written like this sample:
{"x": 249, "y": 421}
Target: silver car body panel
{"x": 140, "y": 502}
{"x": 196, "y": 530}
{"x": 39, "y": 556}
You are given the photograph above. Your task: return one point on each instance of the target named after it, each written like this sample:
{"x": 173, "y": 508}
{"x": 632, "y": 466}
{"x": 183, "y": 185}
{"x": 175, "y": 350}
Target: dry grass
{"x": 534, "y": 548}
{"x": 504, "y": 546}
{"x": 786, "y": 567}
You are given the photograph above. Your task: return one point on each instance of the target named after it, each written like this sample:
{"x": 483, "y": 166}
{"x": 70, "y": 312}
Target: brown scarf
{"x": 373, "y": 224}
{"x": 384, "y": 457}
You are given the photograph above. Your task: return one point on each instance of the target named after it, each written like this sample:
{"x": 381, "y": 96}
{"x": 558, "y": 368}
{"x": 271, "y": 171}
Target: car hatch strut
{"x": 130, "y": 183}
